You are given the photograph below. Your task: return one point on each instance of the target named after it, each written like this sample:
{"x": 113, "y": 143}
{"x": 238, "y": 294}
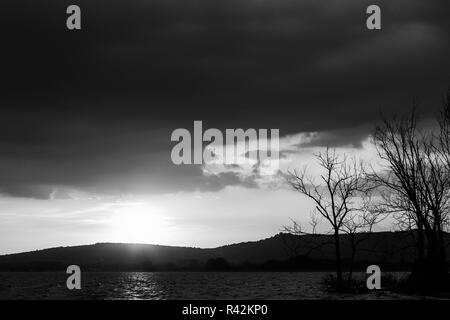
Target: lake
{"x": 175, "y": 285}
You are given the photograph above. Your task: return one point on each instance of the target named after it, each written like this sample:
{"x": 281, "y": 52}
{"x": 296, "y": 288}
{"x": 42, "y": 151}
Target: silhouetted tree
{"x": 415, "y": 186}
{"x": 443, "y": 148}
{"x": 336, "y": 195}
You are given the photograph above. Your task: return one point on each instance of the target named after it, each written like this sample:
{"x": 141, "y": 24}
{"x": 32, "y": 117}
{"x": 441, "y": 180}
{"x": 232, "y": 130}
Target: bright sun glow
{"x": 139, "y": 223}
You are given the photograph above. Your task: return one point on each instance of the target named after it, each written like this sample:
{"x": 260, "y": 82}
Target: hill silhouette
{"x": 394, "y": 250}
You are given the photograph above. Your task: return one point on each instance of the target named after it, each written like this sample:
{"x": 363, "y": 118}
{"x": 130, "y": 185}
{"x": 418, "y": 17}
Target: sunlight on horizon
{"x": 139, "y": 222}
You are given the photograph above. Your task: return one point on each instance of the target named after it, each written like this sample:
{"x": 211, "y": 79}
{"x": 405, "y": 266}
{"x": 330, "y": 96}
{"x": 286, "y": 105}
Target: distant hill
{"x": 393, "y": 249}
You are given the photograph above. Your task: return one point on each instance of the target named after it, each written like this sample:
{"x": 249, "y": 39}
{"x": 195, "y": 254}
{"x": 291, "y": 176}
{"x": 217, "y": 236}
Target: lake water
{"x": 174, "y": 285}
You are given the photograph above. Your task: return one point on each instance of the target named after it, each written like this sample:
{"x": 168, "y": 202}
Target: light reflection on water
{"x": 172, "y": 285}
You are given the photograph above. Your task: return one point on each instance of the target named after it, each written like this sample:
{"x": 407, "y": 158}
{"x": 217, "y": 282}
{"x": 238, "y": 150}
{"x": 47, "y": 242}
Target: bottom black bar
{"x": 208, "y": 309}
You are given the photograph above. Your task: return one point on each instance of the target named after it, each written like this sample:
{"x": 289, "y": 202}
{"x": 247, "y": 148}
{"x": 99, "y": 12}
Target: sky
{"x": 87, "y": 115}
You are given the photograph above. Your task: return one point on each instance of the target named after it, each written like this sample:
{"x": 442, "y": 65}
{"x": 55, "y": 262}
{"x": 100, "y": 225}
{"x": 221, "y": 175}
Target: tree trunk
{"x": 431, "y": 273}
{"x": 420, "y": 242}
{"x": 339, "y": 284}
{"x": 442, "y": 256}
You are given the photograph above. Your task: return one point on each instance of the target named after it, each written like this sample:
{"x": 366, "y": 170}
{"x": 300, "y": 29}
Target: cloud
{"x": 93, "y": 110}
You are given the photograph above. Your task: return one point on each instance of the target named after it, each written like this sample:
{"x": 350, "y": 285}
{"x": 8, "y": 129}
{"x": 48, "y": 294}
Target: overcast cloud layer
{"x": 93, "y": 110}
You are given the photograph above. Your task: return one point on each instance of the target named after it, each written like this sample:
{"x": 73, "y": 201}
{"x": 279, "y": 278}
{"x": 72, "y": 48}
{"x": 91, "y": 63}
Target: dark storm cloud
{"x": 95, "y": 108}
{"x": 348, "y": 137}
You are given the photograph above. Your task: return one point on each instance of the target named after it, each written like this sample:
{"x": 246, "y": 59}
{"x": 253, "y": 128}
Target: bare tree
{"x": 415, "y": 184}
{"x": 397, "y": 143}
{"x": 335, "y": 195}
{"x": 442, "y": 148}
